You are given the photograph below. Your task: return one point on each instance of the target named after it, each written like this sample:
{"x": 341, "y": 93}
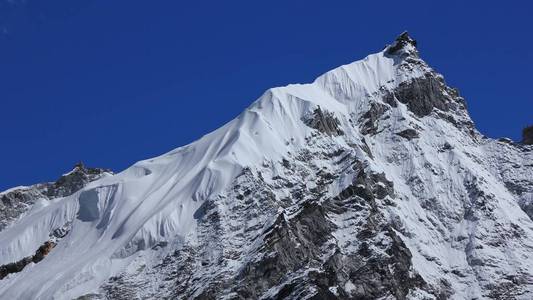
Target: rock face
{"x": 408, "y": 134}
{"x": 401, "y": 45}
{"x": 370, "y": 119}
{"x": 18, "y": 266}
{"x": 369, "y": 183}
{"x": 16, "y": 202}
{"x": 324, "y": 122}
{"x": 527, "y": 135}
{"x": 422, "y": 95}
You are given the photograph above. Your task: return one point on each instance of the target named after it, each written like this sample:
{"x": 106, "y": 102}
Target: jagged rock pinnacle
{"x": 79, "y": 165}
{"x": 406, "y": 38}
{"x": 403, "y": 42}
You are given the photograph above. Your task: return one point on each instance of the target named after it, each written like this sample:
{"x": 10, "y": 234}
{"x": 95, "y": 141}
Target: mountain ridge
{"x": 370, "y": 182}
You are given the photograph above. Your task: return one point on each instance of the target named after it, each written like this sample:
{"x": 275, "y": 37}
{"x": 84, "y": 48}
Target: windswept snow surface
{"x": 451, "y": 205}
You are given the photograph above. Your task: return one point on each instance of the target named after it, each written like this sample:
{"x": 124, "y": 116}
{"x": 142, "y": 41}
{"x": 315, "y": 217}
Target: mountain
{"x": 16, "y": 201}
{"x": 371, "y": 182}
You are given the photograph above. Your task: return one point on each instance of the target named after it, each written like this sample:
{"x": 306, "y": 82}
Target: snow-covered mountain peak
{"x": 371, "y": 182}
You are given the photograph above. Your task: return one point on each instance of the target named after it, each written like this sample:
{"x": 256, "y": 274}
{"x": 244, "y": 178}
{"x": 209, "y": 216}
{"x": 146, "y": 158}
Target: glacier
{"x": 371, "y": 182}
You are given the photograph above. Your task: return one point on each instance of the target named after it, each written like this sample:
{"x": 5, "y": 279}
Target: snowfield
{"x": 370, "y": 182}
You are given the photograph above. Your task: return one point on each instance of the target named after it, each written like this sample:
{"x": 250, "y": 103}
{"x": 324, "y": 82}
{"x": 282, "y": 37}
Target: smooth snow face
{"x": 120, "y": 220}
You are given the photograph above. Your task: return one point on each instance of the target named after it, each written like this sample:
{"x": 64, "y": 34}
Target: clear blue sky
{"x": 114, "y": 82}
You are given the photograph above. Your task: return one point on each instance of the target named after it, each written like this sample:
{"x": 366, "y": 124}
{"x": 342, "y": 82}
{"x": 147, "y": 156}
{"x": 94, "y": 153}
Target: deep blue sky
{"x": 113, "y": 82}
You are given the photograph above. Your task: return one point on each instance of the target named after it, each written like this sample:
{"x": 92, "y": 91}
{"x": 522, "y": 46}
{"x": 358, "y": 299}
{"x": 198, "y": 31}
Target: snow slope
{"x": 444, "y": 201}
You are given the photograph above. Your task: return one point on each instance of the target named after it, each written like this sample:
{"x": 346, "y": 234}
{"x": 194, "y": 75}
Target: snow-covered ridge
{"x": 404, "y": 140}
{"x": 15, "y": 202}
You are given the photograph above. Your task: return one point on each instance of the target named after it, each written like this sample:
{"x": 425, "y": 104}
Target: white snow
{"x": 117, "y": 219}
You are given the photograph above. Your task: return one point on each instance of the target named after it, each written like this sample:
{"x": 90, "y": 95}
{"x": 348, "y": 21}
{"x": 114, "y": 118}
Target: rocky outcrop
{"x": 18, "y": 266}
{"x": 369, "y": 120}
{"x": 324, "y": 121}
{"x": 17, "y": 201}
{"x": 73, "y": 181}
{"x": 400, "y": 44}
{"x": 421, "y": 95}
{"x": 408, "y": 133}
{"x": 289, "y": 246}
{"x": 527, "y": 135}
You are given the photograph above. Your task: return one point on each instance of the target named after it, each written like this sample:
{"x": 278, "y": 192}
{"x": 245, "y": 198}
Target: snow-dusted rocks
{"x": 369, "y": 183}
{"x": 16, "y": 201}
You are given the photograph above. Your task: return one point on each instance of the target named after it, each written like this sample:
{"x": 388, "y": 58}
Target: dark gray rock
{"x": 19, "y": 265}
{"x": 15, "y": 202}
{"x": 374, "y": 273}
{"x": 73, "y": 181}
{"x": 505, "y": 140}
{"x": 366, "y": 148}
{"x": 324, "y": 121}
{"x": 446, "y": 147}
{"x": 422, "y": 95}
{"x": 289, "y": 246}
{"x": 527, "y": 135}
{"x": 519, "y": 187}
{"x": 14, "y": 267}
{"x": 401, "y": 41}
{"x": 370, "y": 118}
{"x": 368, "y": 186}
{"x": 408, "y": 134}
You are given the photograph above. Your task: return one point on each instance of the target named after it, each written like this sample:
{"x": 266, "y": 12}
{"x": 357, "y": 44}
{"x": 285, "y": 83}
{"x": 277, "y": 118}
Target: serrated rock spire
{"x": 404, "y": 44}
